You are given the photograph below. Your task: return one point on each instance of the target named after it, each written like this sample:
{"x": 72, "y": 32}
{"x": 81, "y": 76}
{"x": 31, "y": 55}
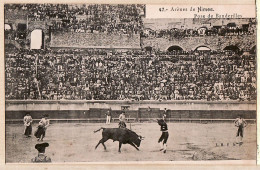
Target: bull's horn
{"x": 142, "y": 138}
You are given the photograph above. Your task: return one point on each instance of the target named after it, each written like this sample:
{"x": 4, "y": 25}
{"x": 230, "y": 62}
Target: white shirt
{"x": 27, "y": 120}
{"x": 122, "y": 117}
{"x": 44, "y": 122}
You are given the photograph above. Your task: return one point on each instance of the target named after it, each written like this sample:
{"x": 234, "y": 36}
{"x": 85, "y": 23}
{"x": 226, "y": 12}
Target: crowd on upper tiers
{"x": 74, "y": 74}
{"x": 99, "y": 74}
{"x": 88, "y": 18}
{"x": 231, "y": 29}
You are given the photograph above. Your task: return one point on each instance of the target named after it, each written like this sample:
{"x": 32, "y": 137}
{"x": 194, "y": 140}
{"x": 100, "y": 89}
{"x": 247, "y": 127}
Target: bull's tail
{"x": 98, "y": 129}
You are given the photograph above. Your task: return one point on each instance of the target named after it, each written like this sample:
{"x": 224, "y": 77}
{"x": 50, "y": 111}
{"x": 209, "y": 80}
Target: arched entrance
{"x": 21, "y": 30}
{"x": 202, "y": 48}
{"x": 174, "y": 48}
{"x": 148, "y": 48}
{"x": 8, "y": 30}
{"x": 232, "y": 48}
{"x": 37, "y": 39}
{"x": 8, "y": 27}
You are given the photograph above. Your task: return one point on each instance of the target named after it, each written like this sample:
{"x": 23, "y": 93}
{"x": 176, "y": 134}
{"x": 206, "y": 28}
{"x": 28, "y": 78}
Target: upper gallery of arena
{"x": 112, "y": 52}
{"x": 77, "y": 23}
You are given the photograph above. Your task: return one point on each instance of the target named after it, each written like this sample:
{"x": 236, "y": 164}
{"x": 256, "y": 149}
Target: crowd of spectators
{"x": 96, "y": 18}
{"x": 84, "y": 74}
{"x": 92, "y": 74}
{"x": 225, "y": 30}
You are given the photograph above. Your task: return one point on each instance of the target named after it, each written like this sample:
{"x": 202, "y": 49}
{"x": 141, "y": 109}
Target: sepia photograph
{"x": 88, "y": 83}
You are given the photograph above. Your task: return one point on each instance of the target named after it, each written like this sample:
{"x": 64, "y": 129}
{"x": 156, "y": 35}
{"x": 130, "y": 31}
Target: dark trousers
{"x": 28, "y": 130}
{"x": 164, "y": 137}
{"x": 40, "y": 132}
{"x": 240, "y": 131}
{"x": 122, "y": 124}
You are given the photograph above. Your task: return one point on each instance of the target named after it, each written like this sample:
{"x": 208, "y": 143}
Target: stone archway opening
{"x": 148, "y": 48}
{"x": 232, "y": 48}
{"x": 22, "y": 31}
{"x": 8, "y": 30}
{"x": 174, "y": 48}
{"x": 37, "y": 39}
{"x": 202, "y": 48}
{"x": 8, "y": 27}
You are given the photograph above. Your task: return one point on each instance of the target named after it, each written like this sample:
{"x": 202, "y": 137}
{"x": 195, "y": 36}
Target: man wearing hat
{"x": 41, "y": 153}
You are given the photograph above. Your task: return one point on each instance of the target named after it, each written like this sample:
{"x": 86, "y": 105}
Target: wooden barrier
{"x": 95, "y": 111}
{"x": 130, "y": 120}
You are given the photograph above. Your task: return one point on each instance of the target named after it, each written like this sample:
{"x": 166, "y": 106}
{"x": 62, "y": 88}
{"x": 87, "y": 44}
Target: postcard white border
{"x": 119, "y": 165}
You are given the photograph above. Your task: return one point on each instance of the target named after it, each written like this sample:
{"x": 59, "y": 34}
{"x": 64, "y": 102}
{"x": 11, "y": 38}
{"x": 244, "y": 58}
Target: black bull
{"x": 123, "y": 135}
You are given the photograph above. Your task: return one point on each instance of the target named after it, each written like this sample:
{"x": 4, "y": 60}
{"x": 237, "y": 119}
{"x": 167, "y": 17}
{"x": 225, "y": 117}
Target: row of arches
{"x": 37, "y": 42}
{"x": 178, "y": 48}
{"x": 233, "y": 48}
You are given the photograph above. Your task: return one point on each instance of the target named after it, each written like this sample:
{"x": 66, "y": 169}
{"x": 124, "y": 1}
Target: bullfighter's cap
{"x": 41, "y": 146}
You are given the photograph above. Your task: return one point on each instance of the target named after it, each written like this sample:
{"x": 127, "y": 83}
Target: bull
{"x": 122, "y": 135}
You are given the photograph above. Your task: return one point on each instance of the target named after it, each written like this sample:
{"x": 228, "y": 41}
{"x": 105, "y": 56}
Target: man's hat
{"x": 45, "y": 115}
{"x": 41, "y": 146}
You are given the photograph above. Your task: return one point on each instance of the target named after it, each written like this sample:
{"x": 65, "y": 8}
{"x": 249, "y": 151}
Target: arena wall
{"x": 59, "y": 109}
{"x": 213, "y": 42}
{"x": 93, "y": 40}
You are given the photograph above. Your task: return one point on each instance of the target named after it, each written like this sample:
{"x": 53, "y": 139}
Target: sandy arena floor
{"x": 75, "y": 142}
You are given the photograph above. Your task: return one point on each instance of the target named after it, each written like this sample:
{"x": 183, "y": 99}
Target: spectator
{"x": 66, "y": 74}
{"x": 41, "y": 153}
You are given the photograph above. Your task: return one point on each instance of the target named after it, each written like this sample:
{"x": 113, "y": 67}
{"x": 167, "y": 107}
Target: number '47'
{"x": 162, "y": 9}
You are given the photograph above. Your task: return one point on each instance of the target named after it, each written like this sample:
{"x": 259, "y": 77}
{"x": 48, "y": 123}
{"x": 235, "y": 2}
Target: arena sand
{"x": 75, "y": 142}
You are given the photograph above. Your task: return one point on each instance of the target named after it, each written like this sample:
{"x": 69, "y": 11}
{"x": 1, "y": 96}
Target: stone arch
{"x": 202, "y": 48}
{"x": 8, "y": 27}
{"x": 8, "y": 31}
{"x": 175, "y": 48}
{"x": 233, "y": 48}
{"x": 148, "y": 48}
{"x": 22, "y": 30}
{"x": 37, "y": 39}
